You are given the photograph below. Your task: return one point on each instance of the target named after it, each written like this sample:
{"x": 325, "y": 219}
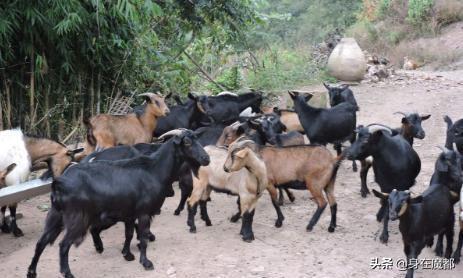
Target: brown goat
{"x": 4, "y": 173}
{"x": 105, "y": 131}
{"x": 312, "y": 164}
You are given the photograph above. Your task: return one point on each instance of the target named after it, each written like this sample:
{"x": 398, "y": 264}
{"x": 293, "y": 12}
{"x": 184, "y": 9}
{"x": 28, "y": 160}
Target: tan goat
{"x": 105, "y": 131}
{"x": 312, "y": 164}
{"x": 248, "y": 183}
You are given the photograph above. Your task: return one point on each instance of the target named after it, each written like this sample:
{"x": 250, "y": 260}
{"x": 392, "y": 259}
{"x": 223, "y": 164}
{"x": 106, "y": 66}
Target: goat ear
{"x": 10, "y": 168}
{"x": 293, "y": 94}
{"x": 415, "y": 200}
{"x": 380, "y": 195}
{"x": 307, "y": 97}
{"x": 326, "y": 86}
{"x": 192, "y": 97}
{"x": 241, "y": 153}
{"x": 425, "y": 117}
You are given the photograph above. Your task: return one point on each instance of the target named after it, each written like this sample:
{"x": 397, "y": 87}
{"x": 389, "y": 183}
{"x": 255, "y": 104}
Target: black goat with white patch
{"x": 395, "y": 163}
{"x": 431, "y": 213}
{"x": 105, "y": 192}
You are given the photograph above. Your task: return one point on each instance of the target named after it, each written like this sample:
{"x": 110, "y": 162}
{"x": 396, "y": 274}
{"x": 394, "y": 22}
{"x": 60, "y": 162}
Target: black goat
{"x": 333, "y": 125}
{"x": 226, "y": 108}
{"x": 105, "y": 192}
{"x": 429, "y": 214}
{"x": 454, "y": 134}
{"x": 395, "y": 163}
{"x": 411, "y": 128}
{"x": 341, "y": 94}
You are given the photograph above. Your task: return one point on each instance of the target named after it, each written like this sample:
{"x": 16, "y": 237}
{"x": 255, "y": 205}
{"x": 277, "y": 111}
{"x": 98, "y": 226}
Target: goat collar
{"x": 403, "y": 209}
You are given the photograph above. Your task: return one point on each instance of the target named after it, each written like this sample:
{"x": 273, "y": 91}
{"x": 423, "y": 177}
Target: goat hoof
{"x": 18, "y": 233}
{"x": 309, "y": 228}
{"x": 193, "y": 230}
{"x": 439, "y": 252}
{"x": 129, "y": 257}
{"x": 364, "y": 194}
{"x": 456, "y": 257}
{"x": 235, "y": 218}
{"x": 177, "y": 212}
{"x": 5, "y": 228}
{"x": 151, "y": 237}
{"x": 448, "y": 254}
{"x": 248, "y": 238}
{"x": 331, "y": 229}
{"x": 292, "y": 199}
{"x": 278, "y": 223}
{"x": 68, "y": 275}
{"x": 384, "y": 238}
{"x": 148, "y": 265}
{"x": 31, "y": 273}
{"x": 99, "y": 249}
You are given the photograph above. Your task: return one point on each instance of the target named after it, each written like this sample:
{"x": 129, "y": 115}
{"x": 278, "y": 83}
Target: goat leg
{"x": 129, "y": 229}
{"x": 385, "y": 234}
{"x": 380, "y": 213}
{"x": 281, "y": 198}
{"x": 315, "y": 217}
{"x": 237, "y": 216}
{"x": 5, "y": 228}
{"x": 151, "y": 236}
{"x": 97, "y": 242}
{"x": 14, "y": 227}
{"x": 290, "y": 195}
{"x": 191, "y": 217}
{"x": 273, "y": 194}
{"x": 364, "y": 167}
{"x": 440, "y": 245}
{"x": 64, "y": 247}
{"x": 144, "y": 228}
{"x": 53, "y": 227}
{"x": 334, "y": 209}
{"x": 449, "y": 235}
{"x": 203, "y": 212}
{"x": 457, "y": 254}
{"x": 185, "y": 188}
{"x": 246, "y": 229}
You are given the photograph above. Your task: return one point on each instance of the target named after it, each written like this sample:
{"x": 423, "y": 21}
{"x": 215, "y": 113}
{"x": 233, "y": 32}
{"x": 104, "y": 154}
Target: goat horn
{"x": 445, "y": 150}
{"x": 401, "y": 113}
{"x": 171, "y": 133}
{"x": 147, "y": 95}
{"x": 376, "y": 127}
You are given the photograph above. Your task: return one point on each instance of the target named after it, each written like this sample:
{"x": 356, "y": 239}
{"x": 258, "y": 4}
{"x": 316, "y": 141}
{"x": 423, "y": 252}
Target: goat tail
{"x": 90, "y": 137}
{"x": 448, "y": 121}
{"x": 336, "y": 166}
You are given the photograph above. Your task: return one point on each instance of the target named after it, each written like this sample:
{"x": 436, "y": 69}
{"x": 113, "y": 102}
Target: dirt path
{"x": 290, "y": 251}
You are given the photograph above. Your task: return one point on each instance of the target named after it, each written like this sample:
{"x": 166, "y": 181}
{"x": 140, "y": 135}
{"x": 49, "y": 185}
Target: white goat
{"x": 247, "y": 181}
{"x": 13, "y": 150}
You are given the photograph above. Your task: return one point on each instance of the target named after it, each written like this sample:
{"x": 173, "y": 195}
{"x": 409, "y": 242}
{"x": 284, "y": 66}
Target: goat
{"x": 341, "y": 94}
{"x": 105, "y": 192}
{"x": 269, "y": 128}
{"x": 226, "y": 108}
{"x": 456, "y": 256}
{"x": 411, "y": 128}
{"x": 454, "y": 134}
{"x": 313, "y": 165}
{"x": 4, "y": 173}
{"x": 185, "y": 115}
{"x": 333, "y": 125}
{"x": 207, "y": 135}
{"x": 24, "y": 151}
{"x": 239, "y": 172}
{"x": 395, "y": 163}
{"x": 431, "y": 213}
{"x": 104, "y": 130}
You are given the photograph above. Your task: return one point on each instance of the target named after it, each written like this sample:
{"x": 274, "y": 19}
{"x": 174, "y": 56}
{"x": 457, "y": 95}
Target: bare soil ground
{"x": 290, "y": 251}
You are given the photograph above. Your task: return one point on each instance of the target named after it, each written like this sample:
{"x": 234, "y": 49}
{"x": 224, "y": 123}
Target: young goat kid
{"x": 239, "y": 172}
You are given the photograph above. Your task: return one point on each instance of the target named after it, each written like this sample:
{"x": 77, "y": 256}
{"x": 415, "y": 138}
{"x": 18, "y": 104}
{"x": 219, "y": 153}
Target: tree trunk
{"x": 32, "y": 91}
{"x": 98, "y": 94}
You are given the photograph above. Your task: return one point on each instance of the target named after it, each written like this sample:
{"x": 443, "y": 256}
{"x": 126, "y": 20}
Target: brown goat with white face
{"x": 105, "y": 131}
{"x": 247, "y": 179}
{"x": 313, "y": 165}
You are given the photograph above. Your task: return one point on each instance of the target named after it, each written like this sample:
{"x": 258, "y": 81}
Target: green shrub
{"x": 418, "y": 10}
